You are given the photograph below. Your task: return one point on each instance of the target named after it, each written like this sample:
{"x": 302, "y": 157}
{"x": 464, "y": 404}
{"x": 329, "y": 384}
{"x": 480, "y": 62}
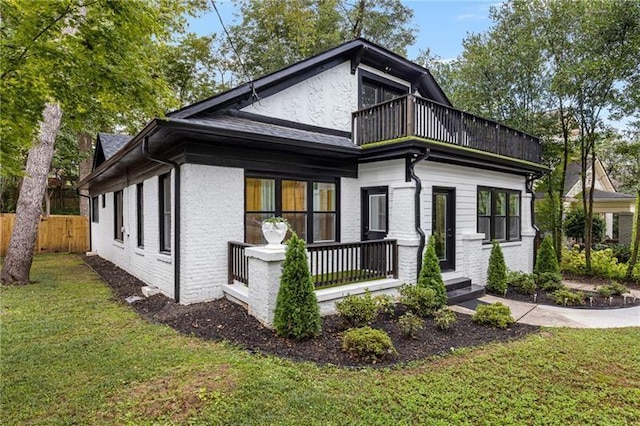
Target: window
{"x": 95, "y": 209}
{"x": 498, "y": 214}
{"x": 375, "y": 89}
{"x": 104, "y": 200}
{"x": 378, "y": 212}
{"x": 308, "y": 206}
{"x": 165, "y": 212}
{"x": 118, "y": 220}
{"x": 140, "y": 213}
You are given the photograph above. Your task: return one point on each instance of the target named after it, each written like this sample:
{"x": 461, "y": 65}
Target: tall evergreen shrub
{"x": 497, "y": 271}
{"x": 297, "y": 313}
{"x": 546, "y": 260}
{"x": 431, "y": 275}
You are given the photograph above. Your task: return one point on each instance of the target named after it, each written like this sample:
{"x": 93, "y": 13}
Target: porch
{"x": 411, "y": 116}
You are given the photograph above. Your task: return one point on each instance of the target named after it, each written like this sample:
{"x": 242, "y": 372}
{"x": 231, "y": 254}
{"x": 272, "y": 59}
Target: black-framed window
{"x": 374, "y": 89}
{"x": 140, "y": 213}
{"x": 499, "y": 213}
{"x": 118, "y": 216}
{"x": 95, "y": 209}
{"x": 310, "y": 207}
{"x": 165, "y": 212}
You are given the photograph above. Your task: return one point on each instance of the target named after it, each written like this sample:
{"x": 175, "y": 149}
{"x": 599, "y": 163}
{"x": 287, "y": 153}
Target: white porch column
{"x": 473, "y": 259}
{"x": 608, "y": 220}
{"x": 265, "y": 270}
{"x": 402, "y": 228}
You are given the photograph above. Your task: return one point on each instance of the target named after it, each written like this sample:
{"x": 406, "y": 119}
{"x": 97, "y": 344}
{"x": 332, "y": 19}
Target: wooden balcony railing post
{"x": 411, "y": 115}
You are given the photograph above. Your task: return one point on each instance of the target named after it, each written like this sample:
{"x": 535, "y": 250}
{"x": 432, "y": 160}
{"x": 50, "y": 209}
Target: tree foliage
{"x": 430, "y": 275}
{"x": 546, "y": 260}
{"x": 297, "y": 312}
{"x": 274, "y": 33}
{"x": 497, "y": 270}
{"x": 574, "y": 225}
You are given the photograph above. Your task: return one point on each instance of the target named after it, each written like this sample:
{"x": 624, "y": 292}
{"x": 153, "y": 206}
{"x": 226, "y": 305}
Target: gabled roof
{"x": 358, "y": 51}
{"x": 107, "y": 145}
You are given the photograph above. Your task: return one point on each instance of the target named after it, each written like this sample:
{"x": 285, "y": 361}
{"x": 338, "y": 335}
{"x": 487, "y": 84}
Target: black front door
{"x": 375, "y": 221}
{"x": 444, "y": 226}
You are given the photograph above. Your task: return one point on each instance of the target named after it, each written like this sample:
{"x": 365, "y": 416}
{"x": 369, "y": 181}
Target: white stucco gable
{"x": 603, "y": 183}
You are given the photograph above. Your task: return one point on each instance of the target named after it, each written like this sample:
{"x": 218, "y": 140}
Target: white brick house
{"x": 352, "y": 145}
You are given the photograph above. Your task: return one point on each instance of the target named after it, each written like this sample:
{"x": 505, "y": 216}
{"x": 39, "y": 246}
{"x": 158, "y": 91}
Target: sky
{"x": 442, "y": 25}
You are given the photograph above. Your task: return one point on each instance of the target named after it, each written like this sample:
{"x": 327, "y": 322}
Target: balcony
{"x": 411, "y": 116}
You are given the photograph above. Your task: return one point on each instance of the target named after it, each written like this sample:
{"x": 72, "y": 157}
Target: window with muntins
{"x": 95, "y": 209}
{"x": 118, "y": 220}
{"x": 309, "y": 207}
{"x": 498, "y": 214}
{"x": 165, "y": 212}
{"x": 140, "y": 213}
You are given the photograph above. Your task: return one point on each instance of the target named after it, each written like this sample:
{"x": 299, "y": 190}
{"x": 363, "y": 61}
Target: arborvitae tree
{"x": 546, "y": 260}
{"x": 430, "y": 273}
{"x": 497, "y": 271}
{"x": 297, "y": 313}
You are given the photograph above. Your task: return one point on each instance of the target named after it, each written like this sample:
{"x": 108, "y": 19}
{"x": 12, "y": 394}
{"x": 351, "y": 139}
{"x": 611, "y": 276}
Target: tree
{"x": 274, "y": 34}
{"x": 430, "y": 275}
{"x": 574, "y": 225}
{"x": 546, "y": 260}
{"x": 297, "y": 312}
{"x": 92, "y": 63}
{"x": 497, "y": 270}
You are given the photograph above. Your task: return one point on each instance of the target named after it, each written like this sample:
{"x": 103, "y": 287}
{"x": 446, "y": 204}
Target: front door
{"x": 444, "y": 226}
{"x": 375, "y": 221}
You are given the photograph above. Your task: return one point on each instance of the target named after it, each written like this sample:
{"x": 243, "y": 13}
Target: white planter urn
{"x": 274, "y": 233}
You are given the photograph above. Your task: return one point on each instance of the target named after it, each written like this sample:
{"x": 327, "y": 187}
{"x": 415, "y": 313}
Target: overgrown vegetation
{"x": 431, "y": 275}
{"x": 72, "y": 355}
{"x": 297, "y": 313}
{"x": 368, "y": 343}
{"x": 604, "y": 264}
{"x": 494, "y": 315}
{"x": 497, "y": 271}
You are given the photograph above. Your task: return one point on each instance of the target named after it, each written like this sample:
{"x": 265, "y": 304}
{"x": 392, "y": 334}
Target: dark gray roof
{"x": 573, "y": 176}
{"x": 598, "y": 194}
{"x": 111, "y": 143}
{"x": 257, "y": 127}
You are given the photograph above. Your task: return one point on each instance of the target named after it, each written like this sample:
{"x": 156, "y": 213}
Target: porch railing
{"x": 343, "y": 263}
{"x": 411, "y": 115}
{"x": 238, "y": 263}
{"x": 331, "y": 263}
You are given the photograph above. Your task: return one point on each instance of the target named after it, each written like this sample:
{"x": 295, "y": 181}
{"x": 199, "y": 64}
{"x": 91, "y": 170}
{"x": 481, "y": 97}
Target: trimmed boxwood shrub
{"x": 410, "y": 324}
{"x": 546, "y": 260}
{"x": 494, "y": 315}
{"x": 549, "y": 281}
{"x": 568, "y": 297}
{"x": 430, "y": 274}
{"x": 421, "y": 301}
{"x": 358, "y": 309}
{"x": 445, "y": 318}
{"x": 368, "y": 343}
{"x": 297, "y": 312}
{"x": 522, "y": 282}
{"x": 497, "y": 271}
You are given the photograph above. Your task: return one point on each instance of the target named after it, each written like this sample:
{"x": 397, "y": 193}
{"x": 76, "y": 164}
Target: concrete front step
{"x": 463, "y": 294}
{"x": 457, "y": 283}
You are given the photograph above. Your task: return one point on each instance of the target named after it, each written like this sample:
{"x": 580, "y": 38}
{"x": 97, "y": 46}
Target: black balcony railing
{"x": 411, "y": 115}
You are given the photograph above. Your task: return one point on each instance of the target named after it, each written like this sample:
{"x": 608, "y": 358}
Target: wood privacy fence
{"x": 56, "y": 233}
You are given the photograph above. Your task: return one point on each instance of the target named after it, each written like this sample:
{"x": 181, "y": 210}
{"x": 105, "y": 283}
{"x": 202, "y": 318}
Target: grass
{"x": 71, "y": 354}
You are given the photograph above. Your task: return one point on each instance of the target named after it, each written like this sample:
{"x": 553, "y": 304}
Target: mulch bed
{"x": 224, "y": 320}
{"x": 598, "y": 302}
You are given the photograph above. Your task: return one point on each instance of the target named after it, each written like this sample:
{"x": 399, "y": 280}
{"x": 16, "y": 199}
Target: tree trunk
{"x": 635, "y": 240}
{"x": 84, "y": 169}
{"x": 17, "y": 263}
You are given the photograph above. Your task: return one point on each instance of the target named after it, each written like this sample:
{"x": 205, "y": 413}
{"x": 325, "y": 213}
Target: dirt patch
{"x": 224, "y": 320}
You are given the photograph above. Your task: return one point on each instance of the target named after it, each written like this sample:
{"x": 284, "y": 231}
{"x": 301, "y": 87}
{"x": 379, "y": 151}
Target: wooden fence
{"x": 56, "y": 233}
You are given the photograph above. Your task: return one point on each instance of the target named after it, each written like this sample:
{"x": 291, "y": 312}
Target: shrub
{"x": 358, "y": 309}
{"x": 574, "y": 225}
{"x": 497, "y": 271}
{"x": 546, "y": 260}
{"x": 445, "y": 318}
{"x": 430, "y": 275}
{"x": 297, "y": 313}
{"x": 613, "y": 289}
{"x": 386, "y": 303}
{"x": 548, "y": 281}
{"x": 494, "y": 315}
{"x": 368, "y": 343}
{"x": 522, "y": 282}
{"x": 419, "y": 300}
{"x": 410, "y": 324}
{"x": 620, "y": 251}
{"x": 568, "y": 297}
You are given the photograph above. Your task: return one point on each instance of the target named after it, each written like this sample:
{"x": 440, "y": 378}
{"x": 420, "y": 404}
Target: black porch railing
{"x": 343, "y": 263}
{"x": 331, "y": 264}
{"x": 411, "y": 115}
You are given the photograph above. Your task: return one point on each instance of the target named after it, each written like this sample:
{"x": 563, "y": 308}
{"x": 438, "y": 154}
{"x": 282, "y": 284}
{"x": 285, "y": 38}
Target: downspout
{"x": 91, "y": 213}
{"x": 417, "y": 206}
{"x": 536, "y": 239}
{"x": 176, "y": 184}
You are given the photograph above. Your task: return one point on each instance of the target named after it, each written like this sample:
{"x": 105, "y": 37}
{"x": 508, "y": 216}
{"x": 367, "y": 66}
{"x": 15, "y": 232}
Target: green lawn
{"x": 72, "y": 355}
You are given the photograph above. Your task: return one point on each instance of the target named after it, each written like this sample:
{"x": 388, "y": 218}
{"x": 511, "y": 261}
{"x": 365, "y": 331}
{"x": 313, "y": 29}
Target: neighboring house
{"x": 616, "y": 208}
{"x": 357, "y": 147}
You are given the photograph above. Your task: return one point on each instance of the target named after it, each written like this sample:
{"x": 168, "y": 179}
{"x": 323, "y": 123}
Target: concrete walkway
{"x": 557, "y": 316}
